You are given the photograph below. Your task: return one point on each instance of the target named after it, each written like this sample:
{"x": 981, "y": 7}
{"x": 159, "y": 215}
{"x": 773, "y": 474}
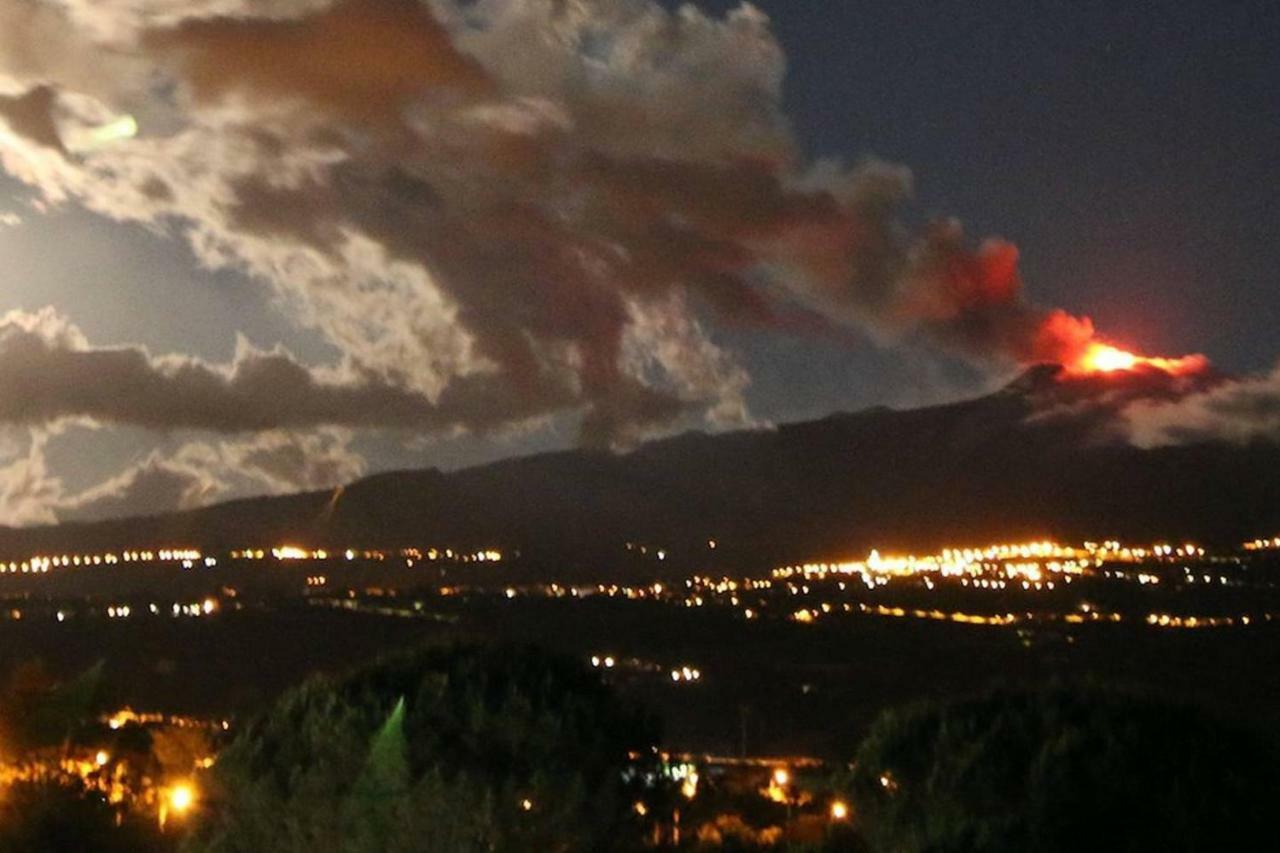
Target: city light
{"x": 689, "y": 788}
{"x": 189, "y": 558}
{"x": 177, "y": 800}
{"x": 181, "y": 798}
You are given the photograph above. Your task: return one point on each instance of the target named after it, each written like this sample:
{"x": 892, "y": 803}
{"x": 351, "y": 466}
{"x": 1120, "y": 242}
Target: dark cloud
{"x": 31, "y": 115}
{"x": 49, "y": 372}
{"x": 362, "y": 61}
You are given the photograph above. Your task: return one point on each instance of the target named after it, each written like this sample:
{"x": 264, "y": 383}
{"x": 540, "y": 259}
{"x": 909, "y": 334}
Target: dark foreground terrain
{"x": 786, "y": 688}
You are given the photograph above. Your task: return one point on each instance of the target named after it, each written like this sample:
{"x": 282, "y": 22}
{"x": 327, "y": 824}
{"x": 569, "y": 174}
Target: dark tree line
{"x": 476, "y": 748}
{"x": 1065, "y": 768}
{"x": 451, "y": 748}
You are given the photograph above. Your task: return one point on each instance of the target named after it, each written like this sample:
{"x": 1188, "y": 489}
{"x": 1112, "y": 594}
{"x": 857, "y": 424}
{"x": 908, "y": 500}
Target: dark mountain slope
{"x": 1034, "y": 459}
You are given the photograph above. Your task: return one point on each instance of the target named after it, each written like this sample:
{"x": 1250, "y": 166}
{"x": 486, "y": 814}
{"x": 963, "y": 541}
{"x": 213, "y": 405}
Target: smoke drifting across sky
{"x": 496, "y": 211}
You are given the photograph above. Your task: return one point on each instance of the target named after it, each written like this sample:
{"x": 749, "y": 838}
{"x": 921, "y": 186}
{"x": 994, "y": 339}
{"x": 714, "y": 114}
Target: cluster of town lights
{"x": 41, "y": 564}
{"x": 683, "y": 673}
{"x": 296, "y": 553}
{"x": 1038, "y": 567}
{"x": 1028, "y": 563}
{"x": 118, "y": 779}
{"x": 190, "y": 557}
{"x": 205, "y": 607}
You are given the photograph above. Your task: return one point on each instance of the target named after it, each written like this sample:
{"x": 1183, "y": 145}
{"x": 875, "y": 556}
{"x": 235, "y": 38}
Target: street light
{"x": 839, "y": 810}
{"x": 179, "y": 799}
{"x": 778, "y": 790}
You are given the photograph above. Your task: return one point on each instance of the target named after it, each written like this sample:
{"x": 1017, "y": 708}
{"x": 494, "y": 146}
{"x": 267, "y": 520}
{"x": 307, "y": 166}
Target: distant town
{"x": 1047, "y": 597}
{"x": 1182, "y": 585}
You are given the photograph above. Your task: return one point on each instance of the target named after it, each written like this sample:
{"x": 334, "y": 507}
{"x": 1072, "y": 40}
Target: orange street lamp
{"x": 179, "y": 799}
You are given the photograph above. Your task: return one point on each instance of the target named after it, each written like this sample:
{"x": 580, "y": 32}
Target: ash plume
{"x": 498, "y": 210}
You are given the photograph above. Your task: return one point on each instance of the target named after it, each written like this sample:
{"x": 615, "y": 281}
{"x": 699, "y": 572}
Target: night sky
{"x": 1129, "y": 151}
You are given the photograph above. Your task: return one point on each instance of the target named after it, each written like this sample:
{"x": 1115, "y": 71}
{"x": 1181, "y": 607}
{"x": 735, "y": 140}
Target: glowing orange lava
{"x": 1101, "y": 358}
{"x": 1105, "y": 358}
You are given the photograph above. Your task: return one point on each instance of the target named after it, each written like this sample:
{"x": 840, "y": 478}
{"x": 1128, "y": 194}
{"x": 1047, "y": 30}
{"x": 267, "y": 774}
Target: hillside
{"x": 1036, "y": 459}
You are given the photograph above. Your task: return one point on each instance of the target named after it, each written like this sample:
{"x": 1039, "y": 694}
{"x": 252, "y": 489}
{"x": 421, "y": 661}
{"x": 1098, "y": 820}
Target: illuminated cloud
{"x": 49, "y": 372}
{"x": 199, "y": 473}
{"x": 517, "y": 189}
{"x": 497, "y": 212}
{"x": 282, "y": 462}
{"x": 159, "y": 484}
{"x": 28, "y": 491}
{"x": 1239, "y": 411}
{"x": 195, "y": 474}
